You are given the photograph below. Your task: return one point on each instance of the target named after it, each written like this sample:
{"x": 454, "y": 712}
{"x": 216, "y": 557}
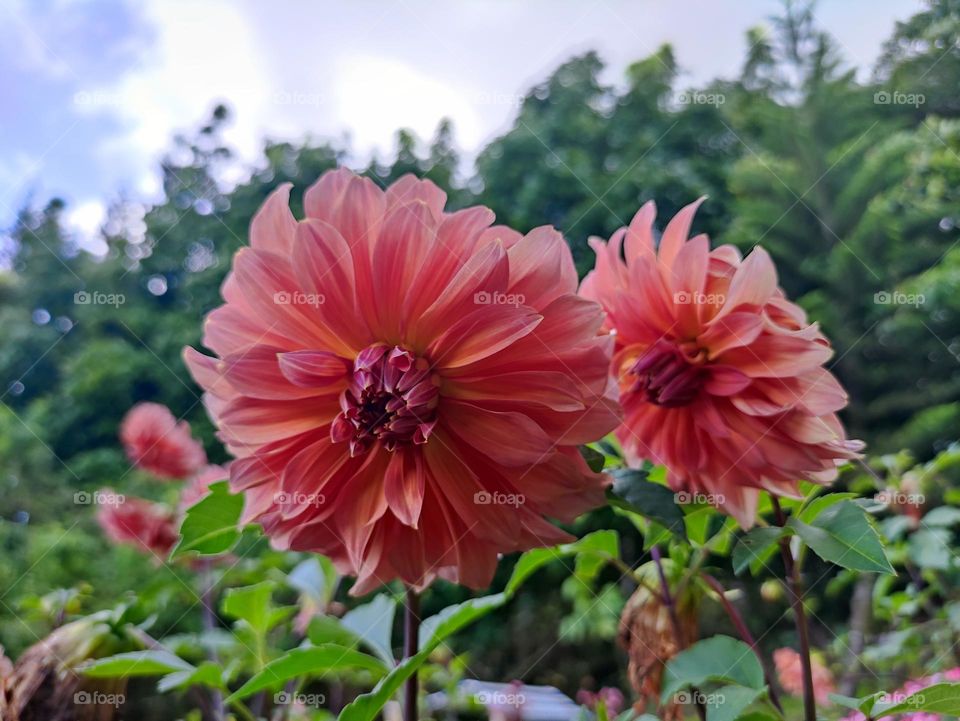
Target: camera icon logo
{"x": 82, "y": 498}
{"x": 881, "y": 97}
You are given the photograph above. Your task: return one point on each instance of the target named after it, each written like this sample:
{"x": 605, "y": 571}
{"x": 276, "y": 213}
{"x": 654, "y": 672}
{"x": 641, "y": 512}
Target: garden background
{"x": 852, "y": 183}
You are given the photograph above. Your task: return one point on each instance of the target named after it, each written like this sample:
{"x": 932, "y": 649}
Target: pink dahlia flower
{"x": 721, "y": 377}
{"x": 404, "y": 388}
{"x": 136, "y": 522}
{"x": 156, "y": 442}
{"x": 790, "y": 675}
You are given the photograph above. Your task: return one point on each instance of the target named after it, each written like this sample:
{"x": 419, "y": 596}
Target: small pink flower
{"x": 156, "y": 442}
{"x": 790, "y": 674}
{"x": 721, "y": 377}
{"x": 404, "y": 388}
{"x": 136, "y": 522}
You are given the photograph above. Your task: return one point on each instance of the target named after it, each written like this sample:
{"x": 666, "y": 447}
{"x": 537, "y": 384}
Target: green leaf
{"x": 154, "y": 662}
{"x": 206, "y": 674}
{"x": 594, "y": 458}
{"x": 941, "y": 698}
{"x": 328, "y": 629}
{"x": 943, "y": 516}
{"x": 928, "y": 548}
{"x": 252, "y": 604}
{"x": 728, "y": 702}
{"x": 846, "y": 701}
{"x": 815, "y": 507}
{"x": 436, "y": 629}
{"x": 602, "y": 544}
{"x": 315, "y": 578}
{"x": 755, "y": 548}
{"x": 633, "y": 492}
{"x": 372, "y": 623}
{"x": 719, "y": 658}
{"x": 843, "y": 534}
{"x": 308, "y": 661}
{"x": 211, "y": 526}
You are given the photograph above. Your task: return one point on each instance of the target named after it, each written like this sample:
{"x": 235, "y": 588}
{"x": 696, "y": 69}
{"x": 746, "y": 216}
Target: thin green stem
{"x": 411, "y": 629}
{"x": 794, "y": 586}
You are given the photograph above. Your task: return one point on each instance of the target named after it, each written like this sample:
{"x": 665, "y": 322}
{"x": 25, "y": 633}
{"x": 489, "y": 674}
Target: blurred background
{"x": 138, "y": 139}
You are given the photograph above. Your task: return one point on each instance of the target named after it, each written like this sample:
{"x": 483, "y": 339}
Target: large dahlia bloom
{"x": 156, "y": 442}
{"x": 404, "y": 388}
{"x": 721, "y": 377}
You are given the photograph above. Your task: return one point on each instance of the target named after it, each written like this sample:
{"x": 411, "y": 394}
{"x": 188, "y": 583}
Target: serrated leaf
{"x": 720, "y": 658}
{"x": 755, "y": 548}
{"x": 815, "y": 507}
{"x": 307, "y": 661}
{"x": 210, "y": 527}
{"x": 843, "y": 534}
{"x": 941, "y": 698}
{"x": 154, "y": 662}
{"x": 632, "y": 491}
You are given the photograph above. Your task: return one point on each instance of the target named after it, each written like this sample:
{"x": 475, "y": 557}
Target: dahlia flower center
{"x": 392, "y": 398}
{"x": 667, "y": 376}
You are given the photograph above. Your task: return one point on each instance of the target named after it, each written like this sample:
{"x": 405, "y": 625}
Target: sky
{"x": 94, "y": 90}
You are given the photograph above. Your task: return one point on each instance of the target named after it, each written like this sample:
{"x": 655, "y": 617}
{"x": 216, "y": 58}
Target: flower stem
{"x": 411, "y": 629}
{"x": 671, "y": 605}
{"x": 745, "y": 634}
{"x": 795, "y": 588}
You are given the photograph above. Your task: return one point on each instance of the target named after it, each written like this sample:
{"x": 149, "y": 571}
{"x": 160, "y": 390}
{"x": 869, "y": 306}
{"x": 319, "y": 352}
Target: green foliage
{"x": 210, "y": 526}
